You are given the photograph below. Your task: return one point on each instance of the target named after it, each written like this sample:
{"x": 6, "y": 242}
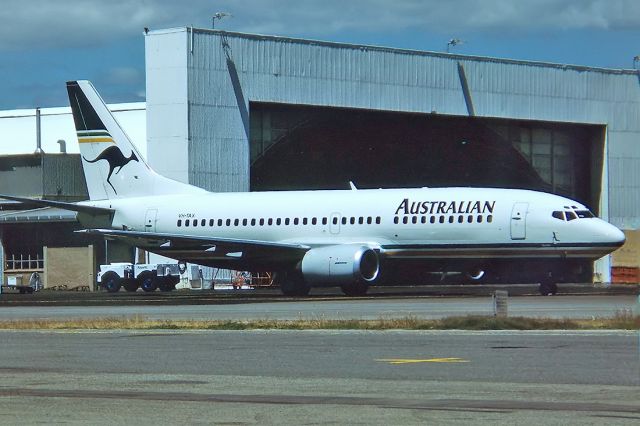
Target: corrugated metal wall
{"x": 226, "y": 71}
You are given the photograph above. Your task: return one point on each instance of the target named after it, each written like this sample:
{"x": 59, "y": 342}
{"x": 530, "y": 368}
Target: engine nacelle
{"x": 475, "y": 274}
{"x": 340, "y": 264}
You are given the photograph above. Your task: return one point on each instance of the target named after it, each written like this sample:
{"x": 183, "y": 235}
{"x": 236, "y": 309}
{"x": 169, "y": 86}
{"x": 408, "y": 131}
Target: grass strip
{"x": 621, "y": 321}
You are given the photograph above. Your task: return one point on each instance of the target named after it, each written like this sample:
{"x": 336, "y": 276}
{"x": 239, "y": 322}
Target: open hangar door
{"x": 297, "y": 147}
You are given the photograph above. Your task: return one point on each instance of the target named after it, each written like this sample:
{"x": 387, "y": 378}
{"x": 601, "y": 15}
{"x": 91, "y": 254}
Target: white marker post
{"x": 500, "y": 298}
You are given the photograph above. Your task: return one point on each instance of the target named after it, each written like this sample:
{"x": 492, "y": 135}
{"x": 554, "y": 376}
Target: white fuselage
{"x": 411, "y": 223}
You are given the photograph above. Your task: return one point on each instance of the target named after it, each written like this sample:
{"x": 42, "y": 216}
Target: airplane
{"x": 349, "y": 238}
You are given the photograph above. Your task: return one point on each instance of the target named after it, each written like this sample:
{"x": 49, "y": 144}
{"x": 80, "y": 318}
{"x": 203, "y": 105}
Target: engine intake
{"x": 340, "y": 264}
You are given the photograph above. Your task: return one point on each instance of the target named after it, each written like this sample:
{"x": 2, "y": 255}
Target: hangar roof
{"x": 18, "y": 128}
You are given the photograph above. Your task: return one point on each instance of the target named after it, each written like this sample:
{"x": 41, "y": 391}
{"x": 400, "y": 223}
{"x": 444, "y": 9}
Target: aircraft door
{"x": 334, "y": 223}
{"x": 519, "y": 221}
{"x": 150, "y": 220}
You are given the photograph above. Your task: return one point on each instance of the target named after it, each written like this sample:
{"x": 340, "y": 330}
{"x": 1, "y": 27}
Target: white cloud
{"x": 68, "y": 23}
{"x": 124, "y": 75}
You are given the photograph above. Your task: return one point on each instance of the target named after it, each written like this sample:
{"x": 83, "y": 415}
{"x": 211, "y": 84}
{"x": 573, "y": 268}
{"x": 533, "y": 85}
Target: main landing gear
{"x": 355, "y": 289}
{"x": 292, "y": 284}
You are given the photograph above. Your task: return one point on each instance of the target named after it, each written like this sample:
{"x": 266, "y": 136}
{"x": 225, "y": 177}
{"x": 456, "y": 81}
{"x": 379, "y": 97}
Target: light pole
{"x": 636, "y": 60}
{"x": 453, "y": 42}
{"x": 218, "y": 16}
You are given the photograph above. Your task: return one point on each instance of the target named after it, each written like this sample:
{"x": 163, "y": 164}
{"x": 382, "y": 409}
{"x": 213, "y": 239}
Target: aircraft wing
{"x": 222, "y": 252}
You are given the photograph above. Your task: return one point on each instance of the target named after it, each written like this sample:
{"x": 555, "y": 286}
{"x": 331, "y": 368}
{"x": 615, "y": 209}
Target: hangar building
{"x": 237, "y": 112}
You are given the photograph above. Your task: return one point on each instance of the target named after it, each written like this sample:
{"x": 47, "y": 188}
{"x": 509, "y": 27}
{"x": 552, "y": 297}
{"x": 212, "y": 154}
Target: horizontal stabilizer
{"x": 81, "y": 208}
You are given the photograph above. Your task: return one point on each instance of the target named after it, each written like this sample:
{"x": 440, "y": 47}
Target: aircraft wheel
{"x": 355, "y": 289}
{"x": 292, "y": 284}
{"x": 111, "y": 282}
{"x": 148, "y": 282}
{"x": 548, "y": 288}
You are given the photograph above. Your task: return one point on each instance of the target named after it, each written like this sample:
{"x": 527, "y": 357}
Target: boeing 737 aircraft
{"x": 348, "y": 238}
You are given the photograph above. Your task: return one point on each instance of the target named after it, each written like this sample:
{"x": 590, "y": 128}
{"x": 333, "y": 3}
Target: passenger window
{"x": 479, "y": 219}
{"x": 344, "y": 220}
{"x": 219, "y": 222}
{"x": 369, "y": 220}
{"x": 470, "y": 219}
{"x": 253, "y": 222}
{"x": 278, "y": 221}
{"x": 378, "y": 220}
{"x": 304, "y": 221}
{"x": 460, "y": 219}
{"x": 361, "y": 220}
{"x": 558, "y": 215}
{"x": 324, "y": 221}
{"x": 405, "y": 220}
{"x": 450, "y": 219}
{"x": 203, "y": 222}
{"x": 314, "y": 221}
{"x": 432, "y": 219}
{"x": 261, "y": 222}
{"x": 186, "y": 222}
{"x": 228, "y": 222}
{"x": 489, "y": 218}
{"x": 395, "y": 220}
{"x": 353, "y": 220}
{"x": 270, "y": 221}
{"x": 211, "y": 222}
{"x": 424, "y": 219}
{"x": 286, "y": 221}
{"x": 414, "y": 220}
{"x": 441, "y": 219}
{"x": 236, "y": 222}
{"x": 179, "y": 222}
{"x": 195, "y": 222}
{"x": 244, "y": 222}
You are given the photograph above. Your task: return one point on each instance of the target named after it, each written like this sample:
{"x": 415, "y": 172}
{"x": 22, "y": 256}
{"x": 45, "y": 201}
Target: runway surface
{"x": 318, "y": 377}
{"x": 585, "y": 306}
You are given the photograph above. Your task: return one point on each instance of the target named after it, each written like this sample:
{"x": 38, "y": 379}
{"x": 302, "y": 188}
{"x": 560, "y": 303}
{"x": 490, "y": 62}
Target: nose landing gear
{"x": 548, "y": 286}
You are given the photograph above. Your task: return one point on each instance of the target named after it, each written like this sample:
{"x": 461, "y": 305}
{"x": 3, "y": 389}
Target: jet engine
{"x": 340, "y": 264}
{"x": 475, "y": 274}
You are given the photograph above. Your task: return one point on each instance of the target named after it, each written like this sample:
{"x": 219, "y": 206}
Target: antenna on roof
{"x": 38, "y": 133}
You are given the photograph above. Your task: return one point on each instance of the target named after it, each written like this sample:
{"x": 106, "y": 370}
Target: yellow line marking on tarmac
{"x": 416, "y": 361}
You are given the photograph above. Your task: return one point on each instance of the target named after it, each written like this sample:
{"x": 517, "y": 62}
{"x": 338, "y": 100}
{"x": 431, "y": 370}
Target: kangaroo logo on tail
{"x": 115, "y": 158}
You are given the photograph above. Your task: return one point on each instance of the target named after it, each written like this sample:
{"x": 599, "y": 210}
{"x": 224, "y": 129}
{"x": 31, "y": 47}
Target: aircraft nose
{"x": 614, "y": 235}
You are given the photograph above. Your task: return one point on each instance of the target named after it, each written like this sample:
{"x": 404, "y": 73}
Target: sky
{"x": 44, "y": 43}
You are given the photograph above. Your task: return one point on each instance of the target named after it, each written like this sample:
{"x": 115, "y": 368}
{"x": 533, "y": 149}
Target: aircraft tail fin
{"x": 112, "y": 165}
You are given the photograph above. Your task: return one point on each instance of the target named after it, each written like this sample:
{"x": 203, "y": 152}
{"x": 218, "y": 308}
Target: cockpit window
{"x": 582, "y": 214}
{"x": 570, "y": 214}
